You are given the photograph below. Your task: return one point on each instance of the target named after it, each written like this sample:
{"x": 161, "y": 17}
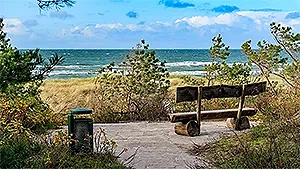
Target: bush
{"x": 135, "y": 90}
{"x": 13, "y": 154}
{"x": 54, "y": 152}
{"x": 274, "y": 143}
{"x": 221, "y": 72}
{"x": 272, "y": 59}
{"x": 22, "y": 111}
{"x": 265, "y": 146}
{"x": 24, "y": 116}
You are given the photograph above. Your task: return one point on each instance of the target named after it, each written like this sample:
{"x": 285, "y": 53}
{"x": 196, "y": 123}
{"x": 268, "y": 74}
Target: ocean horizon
{"x": 84, "y": 63}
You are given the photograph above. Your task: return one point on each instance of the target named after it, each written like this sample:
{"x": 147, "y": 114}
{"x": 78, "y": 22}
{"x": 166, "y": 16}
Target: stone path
{"x": 156, "y": 145}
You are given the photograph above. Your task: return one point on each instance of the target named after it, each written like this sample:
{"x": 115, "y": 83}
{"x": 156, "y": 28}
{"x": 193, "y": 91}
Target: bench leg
{"x": 244, "y": 123}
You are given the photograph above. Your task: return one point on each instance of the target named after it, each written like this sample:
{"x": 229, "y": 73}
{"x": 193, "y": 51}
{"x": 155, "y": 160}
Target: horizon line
{"x": 120, "y": 48}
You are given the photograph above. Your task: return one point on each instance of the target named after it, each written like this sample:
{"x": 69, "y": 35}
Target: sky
{"x": 162, "y": 23}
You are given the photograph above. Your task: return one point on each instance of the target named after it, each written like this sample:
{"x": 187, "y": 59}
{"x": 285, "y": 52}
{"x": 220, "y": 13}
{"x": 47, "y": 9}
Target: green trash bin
{"x": 81, "y": 131}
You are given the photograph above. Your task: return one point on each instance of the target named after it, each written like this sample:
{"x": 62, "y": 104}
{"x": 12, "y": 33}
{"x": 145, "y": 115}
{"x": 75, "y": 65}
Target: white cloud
{"x": 103, "y": 29}
{"x": 294, "y": 22}
{"x": 88, "y": 31}
{"x": 76, "y": 28}
{"x": 191, "y": 32}
{"x": 110, "y": 26}
{"x": 263, "y": 19}
{"x": 246, "y": 20}
{"x": 15, "y": 26}
{"x": 263, "y": 15}
{"x": 119, "y": 26}
{"x": 229, "y": 19}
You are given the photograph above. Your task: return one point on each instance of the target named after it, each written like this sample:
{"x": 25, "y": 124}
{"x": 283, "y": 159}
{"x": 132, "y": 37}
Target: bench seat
{"x": 210, "y": 114}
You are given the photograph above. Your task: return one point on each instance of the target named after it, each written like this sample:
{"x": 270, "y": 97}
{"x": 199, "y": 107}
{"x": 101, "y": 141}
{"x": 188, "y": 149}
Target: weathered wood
{"x": 188, "y": 129}
{"x": 187, "y": 93}
{"x": 199, "y": 108}
{"x": 255, "y": 88}
{"x": 220, "y": 91}
{"x": 241, "y": 104}
{"x": 210, "y": 114}
{"x": 244, "y": 123}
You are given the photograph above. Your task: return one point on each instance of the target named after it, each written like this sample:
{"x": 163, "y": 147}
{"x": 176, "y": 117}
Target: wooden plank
{"x": 210, "y": 114}
{"x": 241, "y": 104}
{"x": 190, "y": 93}
{"x": 224, "y": 91}
{"x": 221, "y": 91}
{"x": 187, "y": 93}
{"x": 255, "y": 88}
{"x": 199, "y": 108}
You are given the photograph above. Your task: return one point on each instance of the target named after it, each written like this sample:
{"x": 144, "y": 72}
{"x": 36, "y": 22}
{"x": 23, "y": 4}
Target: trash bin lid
{"x": 81, "y": 111}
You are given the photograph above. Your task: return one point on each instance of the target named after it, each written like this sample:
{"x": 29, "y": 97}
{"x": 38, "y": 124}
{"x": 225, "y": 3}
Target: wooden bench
{"x": 189, "y": 123}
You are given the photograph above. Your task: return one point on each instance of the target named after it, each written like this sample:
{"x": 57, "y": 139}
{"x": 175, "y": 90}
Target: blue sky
{"x": 162, "y": 23}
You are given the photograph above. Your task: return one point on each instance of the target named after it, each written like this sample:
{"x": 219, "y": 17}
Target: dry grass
{"x": 64, "y": 95}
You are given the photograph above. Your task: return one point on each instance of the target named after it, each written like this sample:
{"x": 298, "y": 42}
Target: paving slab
{"x": 157, "y": 146}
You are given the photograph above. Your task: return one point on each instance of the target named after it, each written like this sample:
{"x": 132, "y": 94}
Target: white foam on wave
{"x": 191, "y": 64}
{"x": 187, "y": 63}
{"x": 78, "y": 66}
{"x": 68, "y": 67}
{"x": 194, "y": 73}
{"x": 64, "y": 72}
{"x": 202, "y": 73}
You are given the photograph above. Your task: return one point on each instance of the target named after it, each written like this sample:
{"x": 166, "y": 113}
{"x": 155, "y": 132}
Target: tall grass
{"x": 274, "y": 143}
{"x": 64, "y": 95}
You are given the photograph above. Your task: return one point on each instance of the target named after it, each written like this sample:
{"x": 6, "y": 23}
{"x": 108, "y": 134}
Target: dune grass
{"x": 64, "y": 95}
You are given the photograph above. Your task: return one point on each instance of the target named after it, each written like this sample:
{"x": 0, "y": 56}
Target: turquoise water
{"x": 82, "y": 63}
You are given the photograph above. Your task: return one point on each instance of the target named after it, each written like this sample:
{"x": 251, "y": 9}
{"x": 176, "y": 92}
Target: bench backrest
{"x": 190, "y": 93}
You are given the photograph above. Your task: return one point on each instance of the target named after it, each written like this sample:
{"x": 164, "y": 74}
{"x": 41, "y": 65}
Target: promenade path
{"x": 157, "y": 146}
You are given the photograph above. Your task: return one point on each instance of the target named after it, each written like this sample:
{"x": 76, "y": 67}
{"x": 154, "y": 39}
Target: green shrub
{"x": 22, "y": 111}
{"x": 265, "y": 146}
{"x": 15, "y": 152}
{"x": 24, "y": 116}
{"x": 275, "y": 142}
{"x": 135, "y": 90}
{"x": 221, "y": 72}
{"x": 54, "y": 152}
{"x": 273, "y": 58}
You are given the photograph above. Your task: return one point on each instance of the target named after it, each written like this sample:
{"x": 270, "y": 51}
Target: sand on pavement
{"x": 157, "y": 146}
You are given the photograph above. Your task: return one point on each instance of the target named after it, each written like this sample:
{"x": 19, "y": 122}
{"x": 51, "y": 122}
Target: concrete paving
{"x": 157, "y": 146}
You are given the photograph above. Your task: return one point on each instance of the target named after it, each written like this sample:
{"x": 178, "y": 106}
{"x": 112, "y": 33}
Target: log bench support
{"x": 244, "y": 123}
{"x": 189, "y": 123}
{"x": 187, "y": 128}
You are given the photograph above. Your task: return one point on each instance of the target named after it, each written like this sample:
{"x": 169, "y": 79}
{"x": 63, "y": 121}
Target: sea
{"x": 84, "y": 63}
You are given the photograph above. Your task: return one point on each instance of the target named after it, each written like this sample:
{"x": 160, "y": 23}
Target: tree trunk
{"x": 187, "y": 128}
